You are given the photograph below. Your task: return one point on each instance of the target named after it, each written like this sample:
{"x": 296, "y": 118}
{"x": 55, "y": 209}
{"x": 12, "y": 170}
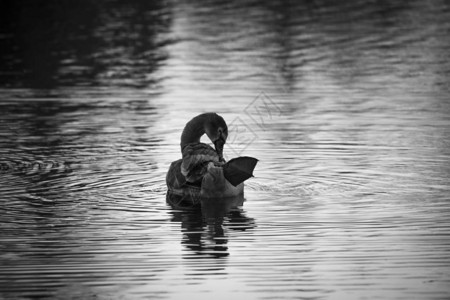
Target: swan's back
{"x": 185, "y": 175}
{"x": 196, "y": 157}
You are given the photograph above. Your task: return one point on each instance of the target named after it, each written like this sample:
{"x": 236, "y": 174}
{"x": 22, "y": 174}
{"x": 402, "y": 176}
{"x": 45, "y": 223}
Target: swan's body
{"x": 199, "y": 172}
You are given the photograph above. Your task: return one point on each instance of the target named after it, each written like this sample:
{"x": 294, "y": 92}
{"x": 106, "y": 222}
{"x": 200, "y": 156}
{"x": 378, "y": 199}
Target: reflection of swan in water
{"x": 204, "y": 228}
{"x": 203, "y": 179}
{"x": 202, "y": 171}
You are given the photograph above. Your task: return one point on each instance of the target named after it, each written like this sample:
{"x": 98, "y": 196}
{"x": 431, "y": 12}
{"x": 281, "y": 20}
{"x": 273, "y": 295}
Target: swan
{"x": 200, "y": 171}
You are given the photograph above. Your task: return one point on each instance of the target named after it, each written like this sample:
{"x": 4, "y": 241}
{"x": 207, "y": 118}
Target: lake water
{"x": 346, "y": 106}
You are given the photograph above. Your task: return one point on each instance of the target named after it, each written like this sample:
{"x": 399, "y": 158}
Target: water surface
{"x": 345, "y": 106}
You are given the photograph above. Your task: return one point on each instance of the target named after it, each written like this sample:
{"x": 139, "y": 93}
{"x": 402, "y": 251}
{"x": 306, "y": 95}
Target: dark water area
{"x": 345, "y": 104}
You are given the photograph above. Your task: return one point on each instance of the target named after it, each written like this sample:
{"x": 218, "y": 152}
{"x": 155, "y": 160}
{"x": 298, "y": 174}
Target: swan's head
{"x": 217, "y": 131}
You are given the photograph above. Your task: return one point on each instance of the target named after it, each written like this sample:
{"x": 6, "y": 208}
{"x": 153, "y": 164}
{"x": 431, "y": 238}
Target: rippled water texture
{"x": 344, "y": 103}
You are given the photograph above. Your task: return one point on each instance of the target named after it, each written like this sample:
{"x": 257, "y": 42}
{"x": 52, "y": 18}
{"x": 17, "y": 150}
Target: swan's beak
{"x": 219, "y": 143}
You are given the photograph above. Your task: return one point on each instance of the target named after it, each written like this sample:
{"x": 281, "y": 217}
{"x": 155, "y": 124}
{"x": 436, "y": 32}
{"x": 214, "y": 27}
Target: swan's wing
{"x": 174, "y": 178}
{"x": 196, "y": 157}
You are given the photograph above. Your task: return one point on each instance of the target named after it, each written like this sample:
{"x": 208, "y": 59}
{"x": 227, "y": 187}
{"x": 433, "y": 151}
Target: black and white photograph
{"x": 224, "y": 149}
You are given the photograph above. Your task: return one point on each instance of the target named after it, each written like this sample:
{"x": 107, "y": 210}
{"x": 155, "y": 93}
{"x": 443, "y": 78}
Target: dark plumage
{"x": 199, "y": 172}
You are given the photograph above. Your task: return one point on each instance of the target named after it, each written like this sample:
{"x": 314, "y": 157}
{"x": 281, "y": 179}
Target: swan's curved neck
{"x": 193, "y": 131}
